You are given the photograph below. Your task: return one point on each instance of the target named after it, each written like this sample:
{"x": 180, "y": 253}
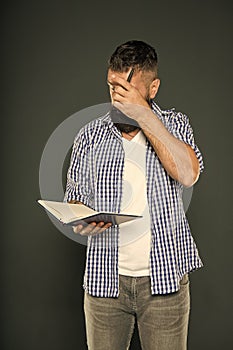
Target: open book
{"x": 74, "y": 214}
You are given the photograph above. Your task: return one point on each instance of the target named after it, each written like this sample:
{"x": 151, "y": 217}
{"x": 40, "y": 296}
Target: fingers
{"x": 124, "y": 92}
{"x": 119, "y": 90}
{"x": 118, "y": 98}
{"x": 91, "y": 229}
{"x": 119, "y": 94}
{"x": 105, "y": 227}
{"x": 116, "y": 80}
{"x": 74, "y": 201}
{"x": 77, "y": 228}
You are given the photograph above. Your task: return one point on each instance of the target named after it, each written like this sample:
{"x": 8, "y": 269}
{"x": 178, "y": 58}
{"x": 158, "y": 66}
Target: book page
{"x": 67, "y": 212}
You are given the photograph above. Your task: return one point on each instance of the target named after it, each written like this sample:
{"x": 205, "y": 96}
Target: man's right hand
{"x": 92, "y": 228}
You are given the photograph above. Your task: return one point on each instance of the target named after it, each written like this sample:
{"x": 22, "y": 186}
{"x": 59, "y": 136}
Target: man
{"x": 136, "y": 158}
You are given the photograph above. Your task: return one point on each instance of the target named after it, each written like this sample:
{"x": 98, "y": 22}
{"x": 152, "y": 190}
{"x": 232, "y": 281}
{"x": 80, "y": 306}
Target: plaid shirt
{"x": 95, "y": 179}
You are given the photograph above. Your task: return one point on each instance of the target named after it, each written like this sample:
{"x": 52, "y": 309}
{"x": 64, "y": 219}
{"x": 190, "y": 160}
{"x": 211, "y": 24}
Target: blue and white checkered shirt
{"x": 95, "y": 179}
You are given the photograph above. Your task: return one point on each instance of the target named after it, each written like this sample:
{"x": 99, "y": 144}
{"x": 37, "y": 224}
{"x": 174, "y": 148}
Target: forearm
{"x": 177, "y": 158}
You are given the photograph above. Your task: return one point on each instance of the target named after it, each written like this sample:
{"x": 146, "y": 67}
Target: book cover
{"x": 74, "y": 214}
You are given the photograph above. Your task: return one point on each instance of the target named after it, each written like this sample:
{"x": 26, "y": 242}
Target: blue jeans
{"x": 162, "y": 319}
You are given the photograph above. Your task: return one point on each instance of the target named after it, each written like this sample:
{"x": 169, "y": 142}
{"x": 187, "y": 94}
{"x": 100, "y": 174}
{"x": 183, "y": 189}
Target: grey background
{"x": 54, "y": 64}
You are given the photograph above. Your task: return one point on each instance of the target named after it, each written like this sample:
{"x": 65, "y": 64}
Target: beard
{"x": 124, "y": 123}
{"x": 121, "y": 121}
{"x": 126, "y": 128}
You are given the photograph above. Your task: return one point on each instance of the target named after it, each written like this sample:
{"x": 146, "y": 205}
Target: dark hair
{"x": 136, "y": 54}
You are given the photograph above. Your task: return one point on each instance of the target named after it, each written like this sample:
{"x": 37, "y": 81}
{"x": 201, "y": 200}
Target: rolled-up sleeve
{"x": 181, "y": 128}
{"x": 78, "y": 175}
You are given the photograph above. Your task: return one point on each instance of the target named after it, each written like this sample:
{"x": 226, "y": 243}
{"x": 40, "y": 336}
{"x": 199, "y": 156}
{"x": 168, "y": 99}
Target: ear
{"x": 154, "y": 87}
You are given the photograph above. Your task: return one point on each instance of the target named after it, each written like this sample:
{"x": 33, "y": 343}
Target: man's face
{"x": 140, "y": 80}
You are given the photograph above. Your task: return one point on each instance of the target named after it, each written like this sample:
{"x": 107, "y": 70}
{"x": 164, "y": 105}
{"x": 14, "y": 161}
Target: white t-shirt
{"x": 135, "y": 236}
